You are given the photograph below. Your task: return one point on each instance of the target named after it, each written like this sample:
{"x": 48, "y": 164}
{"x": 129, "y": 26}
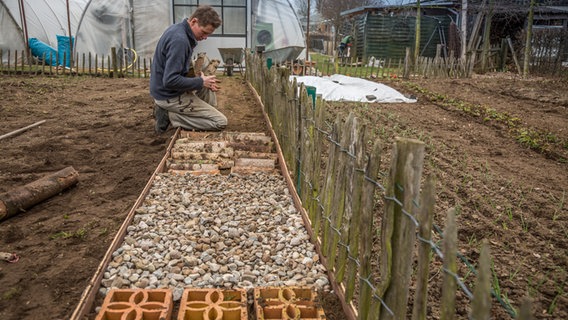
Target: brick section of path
{"x": 300, "y": 303}
{"x": 137, "y": 304}
{"x": 222, "y": 152}
{"x": 212, "y": 304}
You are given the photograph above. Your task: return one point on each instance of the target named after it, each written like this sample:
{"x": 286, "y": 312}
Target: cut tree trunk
{"x": 24, "y": 197}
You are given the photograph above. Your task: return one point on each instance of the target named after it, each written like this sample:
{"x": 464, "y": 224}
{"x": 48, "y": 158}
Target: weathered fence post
{"x": 338, "y": 202}
{"x": 356, "y": 186}
{"x": 114, "y": 61}
{"x": 330, "y": 179}
{"x": 316, "y": 193}
{"x": 16, "y": 62}
{"x": 407, "y": 64}
{"x": 353, "y": 183}
{"x": 449, "y": 283}
{"x": 64, "y": 62}
{"x": 398, "y": 229}
{"x": 82, "y": 65}
{"x": 366, "y": 230}
{"x": 481, "y": 304}
{"x": 110, "y": 73}
{"x": 306, "y": 155}
{"x": 23, "y": 61}
{"x": 425, "y": 217}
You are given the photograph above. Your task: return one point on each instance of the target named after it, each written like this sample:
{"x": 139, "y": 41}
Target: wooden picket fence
{"x": 340, "y": 196}
{"x": 116, "y": 64}
{"x": 375, "y": 68}
{"x": 126, "y": 63}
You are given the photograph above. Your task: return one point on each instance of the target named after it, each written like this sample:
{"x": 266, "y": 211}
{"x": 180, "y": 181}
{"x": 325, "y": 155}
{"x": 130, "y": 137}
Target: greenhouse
{"x": 96, "y": 26}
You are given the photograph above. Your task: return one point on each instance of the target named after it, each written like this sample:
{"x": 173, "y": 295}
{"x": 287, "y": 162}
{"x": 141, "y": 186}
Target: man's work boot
{"x": 162, "y": 119}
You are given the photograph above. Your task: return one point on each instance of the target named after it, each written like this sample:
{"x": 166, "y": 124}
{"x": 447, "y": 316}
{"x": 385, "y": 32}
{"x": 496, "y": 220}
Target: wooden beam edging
{"x": 89, "y": 294}
{"x": 339, "y": 289}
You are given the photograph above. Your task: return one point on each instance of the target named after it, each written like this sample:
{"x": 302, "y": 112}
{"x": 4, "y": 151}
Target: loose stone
{"x": 221, "y": 231}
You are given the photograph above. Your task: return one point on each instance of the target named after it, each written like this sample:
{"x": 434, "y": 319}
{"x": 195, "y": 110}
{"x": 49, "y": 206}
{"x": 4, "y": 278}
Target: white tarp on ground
{"x": 343, "y": 88}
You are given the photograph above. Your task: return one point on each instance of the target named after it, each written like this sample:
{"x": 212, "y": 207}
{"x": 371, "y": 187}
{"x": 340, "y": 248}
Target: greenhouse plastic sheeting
{"x": 99, "y": 25}
{"x": 44, "y": 19}
{"x": 277, "y": 25}
{"x": 110, "y": 23}
{"x": 343, "y": 88}
{"x": 96, "y": 25}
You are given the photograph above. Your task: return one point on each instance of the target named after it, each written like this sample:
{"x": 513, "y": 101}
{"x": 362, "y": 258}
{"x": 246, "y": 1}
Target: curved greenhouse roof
{"x": 96, "y": 25}
{"x": 99, "y": 25}
{"x": 44, "y": 19}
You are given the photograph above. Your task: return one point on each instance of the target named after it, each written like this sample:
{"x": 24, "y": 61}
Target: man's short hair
{"x": 206, "y": 15}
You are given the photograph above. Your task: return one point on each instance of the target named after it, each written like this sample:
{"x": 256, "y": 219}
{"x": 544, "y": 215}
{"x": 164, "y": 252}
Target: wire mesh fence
{"x": 357, "y": 217}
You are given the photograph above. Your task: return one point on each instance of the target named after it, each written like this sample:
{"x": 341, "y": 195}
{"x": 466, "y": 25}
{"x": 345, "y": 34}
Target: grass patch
{"x": 11, "y": 293}
{"x": 78, "y": 234}
{"x": 326, "y": 65}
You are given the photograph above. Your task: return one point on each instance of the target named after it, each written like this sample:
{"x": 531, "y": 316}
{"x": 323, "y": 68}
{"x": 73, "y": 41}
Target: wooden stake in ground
{"x": 13, "y": 133}
{"x": 22, "y": 198}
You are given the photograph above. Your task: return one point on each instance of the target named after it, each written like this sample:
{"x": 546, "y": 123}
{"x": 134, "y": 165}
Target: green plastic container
{"x": 312, "y": 93}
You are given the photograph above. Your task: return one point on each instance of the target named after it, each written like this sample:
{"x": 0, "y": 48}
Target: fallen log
{"x": 24, "y": 197}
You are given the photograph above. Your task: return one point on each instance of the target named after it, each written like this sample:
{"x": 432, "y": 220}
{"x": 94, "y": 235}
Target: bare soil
{"x": 509, "y": 187}
{"x": 104, "y": 129}
{"x": 510, "y": 194}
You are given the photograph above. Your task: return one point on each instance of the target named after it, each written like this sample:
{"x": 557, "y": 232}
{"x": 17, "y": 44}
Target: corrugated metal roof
{"x": 556, "y": 8}
{"x": 389, "y": 6}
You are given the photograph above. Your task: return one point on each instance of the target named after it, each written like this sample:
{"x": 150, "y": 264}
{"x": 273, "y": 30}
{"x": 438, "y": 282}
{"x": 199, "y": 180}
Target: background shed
{"x": 384, "y": 32}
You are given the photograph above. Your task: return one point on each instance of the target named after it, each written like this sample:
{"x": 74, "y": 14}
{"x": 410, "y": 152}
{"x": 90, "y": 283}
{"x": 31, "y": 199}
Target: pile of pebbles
{"x": 221, "y": 231}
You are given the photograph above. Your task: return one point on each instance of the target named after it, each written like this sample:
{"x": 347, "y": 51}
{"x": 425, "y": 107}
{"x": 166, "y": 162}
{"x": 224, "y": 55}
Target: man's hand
{"x": 210, "y": 82}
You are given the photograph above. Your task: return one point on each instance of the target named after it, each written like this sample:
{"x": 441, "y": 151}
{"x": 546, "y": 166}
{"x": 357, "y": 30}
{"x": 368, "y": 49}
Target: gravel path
{"x": 224, "y": 231}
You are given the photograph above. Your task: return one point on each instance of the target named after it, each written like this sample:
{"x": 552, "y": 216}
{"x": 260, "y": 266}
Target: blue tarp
{"x": 52, "y": 56}
{"x": 43, "y": 51}
{"x": 64, "y": 49}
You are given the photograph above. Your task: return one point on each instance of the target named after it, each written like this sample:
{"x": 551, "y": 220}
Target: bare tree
{"x": 302, "y": 8}
{"x": 331, "y": 9}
